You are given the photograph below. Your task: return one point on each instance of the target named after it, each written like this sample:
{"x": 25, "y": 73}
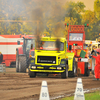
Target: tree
{"x": 90, "y": 18}
{"x": 97, "y": 8}
{"x": 73, "y": 14}
{"x": 79, "y": 7}
{"x": 74, "y": 10}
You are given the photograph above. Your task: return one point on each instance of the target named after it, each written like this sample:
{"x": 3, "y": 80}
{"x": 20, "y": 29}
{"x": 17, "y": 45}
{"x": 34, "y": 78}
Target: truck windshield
{"x": 75, "y": 36}
{"x": 51, "y": 45}
{"x": 28, "y": 45}
{"x": 29, "y": 42}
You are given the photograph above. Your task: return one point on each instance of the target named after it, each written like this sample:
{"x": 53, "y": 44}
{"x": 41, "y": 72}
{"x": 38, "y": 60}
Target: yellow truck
{"x": 51, "y": 58}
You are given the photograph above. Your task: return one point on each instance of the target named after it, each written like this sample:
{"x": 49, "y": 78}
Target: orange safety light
{"x": 90, "y": 42}
{"x": 30, "y": 56}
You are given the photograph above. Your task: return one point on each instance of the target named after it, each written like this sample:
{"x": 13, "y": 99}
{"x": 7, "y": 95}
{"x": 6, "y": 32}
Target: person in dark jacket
{"x": 97, "y": 65}
{"x": 1, "y": 57}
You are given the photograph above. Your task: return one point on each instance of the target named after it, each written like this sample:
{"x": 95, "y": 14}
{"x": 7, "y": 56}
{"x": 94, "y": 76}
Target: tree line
{"x": 49, "y": 16}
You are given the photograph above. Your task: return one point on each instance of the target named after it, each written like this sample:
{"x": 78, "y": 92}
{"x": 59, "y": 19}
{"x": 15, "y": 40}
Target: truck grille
{"x": 46, "y": 59}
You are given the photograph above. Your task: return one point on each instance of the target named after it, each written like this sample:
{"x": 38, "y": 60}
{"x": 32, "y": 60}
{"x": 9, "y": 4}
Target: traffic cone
{"x": 44, "y": 94}
{"x": 79, "y": 94}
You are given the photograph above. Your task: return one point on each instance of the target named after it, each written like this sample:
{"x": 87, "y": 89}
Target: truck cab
{"x": 50, "y": 57}
{"x": 76, "y": 38}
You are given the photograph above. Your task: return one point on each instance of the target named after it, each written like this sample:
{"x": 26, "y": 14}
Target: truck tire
{"x": 32, "y": 74}
{"x": 87, "y": 71}
{"x": 17, "y": 61}
{"x": 65, "y": 73}
{"x": 22, "y": 63}
{"x": 74, "y": 71}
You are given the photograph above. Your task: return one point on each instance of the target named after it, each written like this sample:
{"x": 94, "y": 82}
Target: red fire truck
{"x": 8, "y": 45}
{"x": 76, "y": 45}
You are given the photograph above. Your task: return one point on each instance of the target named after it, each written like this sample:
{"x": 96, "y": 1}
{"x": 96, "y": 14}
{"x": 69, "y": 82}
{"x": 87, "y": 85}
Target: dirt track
{"x": 18, "y": 86}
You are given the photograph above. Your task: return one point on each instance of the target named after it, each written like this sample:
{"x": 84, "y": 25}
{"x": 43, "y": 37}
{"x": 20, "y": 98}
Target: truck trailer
{"x": 8, "y": 45}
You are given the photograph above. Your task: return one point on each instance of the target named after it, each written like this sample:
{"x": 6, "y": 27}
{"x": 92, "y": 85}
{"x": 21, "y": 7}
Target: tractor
{"x": 76, "y": 45}
{"x": 22, "y": 53}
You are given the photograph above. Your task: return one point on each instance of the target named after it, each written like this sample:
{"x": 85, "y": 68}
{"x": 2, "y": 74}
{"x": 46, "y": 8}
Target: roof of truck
{"x": 52, "y": 38}
{"x": 17, "y": 36}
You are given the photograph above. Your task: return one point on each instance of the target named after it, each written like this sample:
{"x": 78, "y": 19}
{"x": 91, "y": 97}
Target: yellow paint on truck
{"x": 70, "y": 56}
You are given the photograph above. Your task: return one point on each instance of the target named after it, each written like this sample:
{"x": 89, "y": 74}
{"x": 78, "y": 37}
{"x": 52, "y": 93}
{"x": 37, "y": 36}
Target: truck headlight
{"x": 59, "y": 68}
{"x": 33, "y": 67}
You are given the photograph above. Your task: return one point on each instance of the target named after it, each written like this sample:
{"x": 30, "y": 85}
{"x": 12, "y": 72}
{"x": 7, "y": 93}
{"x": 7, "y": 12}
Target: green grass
{"x": 88, "y": 96}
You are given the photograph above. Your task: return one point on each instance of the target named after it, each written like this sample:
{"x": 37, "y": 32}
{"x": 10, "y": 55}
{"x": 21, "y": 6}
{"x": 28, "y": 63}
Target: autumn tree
{"x": 97, "y": 8}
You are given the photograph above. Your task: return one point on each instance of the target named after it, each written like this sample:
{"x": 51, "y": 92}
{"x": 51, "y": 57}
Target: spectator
{"x": 97, "y": 65}
{"x": 1, "y": 57}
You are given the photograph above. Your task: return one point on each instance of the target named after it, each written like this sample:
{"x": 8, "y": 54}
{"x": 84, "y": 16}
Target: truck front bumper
{"x": 51, "y": 69}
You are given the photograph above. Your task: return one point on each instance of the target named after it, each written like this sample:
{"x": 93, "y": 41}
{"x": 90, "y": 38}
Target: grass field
{"x": 88, "y": 96}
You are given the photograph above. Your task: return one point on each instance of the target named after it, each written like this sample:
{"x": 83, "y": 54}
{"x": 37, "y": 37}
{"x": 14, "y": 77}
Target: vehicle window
{"x": 51, "y": 45}
{"x": 61, "y": 46}
{"x": 29, "y": 42}
{"x": 76, "y": 36}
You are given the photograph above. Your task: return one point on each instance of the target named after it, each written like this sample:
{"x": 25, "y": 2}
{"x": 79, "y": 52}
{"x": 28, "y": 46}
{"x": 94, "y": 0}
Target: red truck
{"x": 76, "y": 45}
{"x": 8, "y": 45}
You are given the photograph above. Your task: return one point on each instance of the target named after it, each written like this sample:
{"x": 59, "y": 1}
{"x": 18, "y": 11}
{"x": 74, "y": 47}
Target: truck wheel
{"x": 17, "y": 66}
{"x": 22, "y": 63}
{"x": 65, "y": 73}
{"x": 87, "y": 71}
{"x": 73, "y": 72}
{"x": 32, "y": 74}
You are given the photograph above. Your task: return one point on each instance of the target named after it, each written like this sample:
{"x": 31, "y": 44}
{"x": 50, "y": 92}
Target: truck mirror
{"x": 18, "y": 42}
{"x": 70, "y": 47}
